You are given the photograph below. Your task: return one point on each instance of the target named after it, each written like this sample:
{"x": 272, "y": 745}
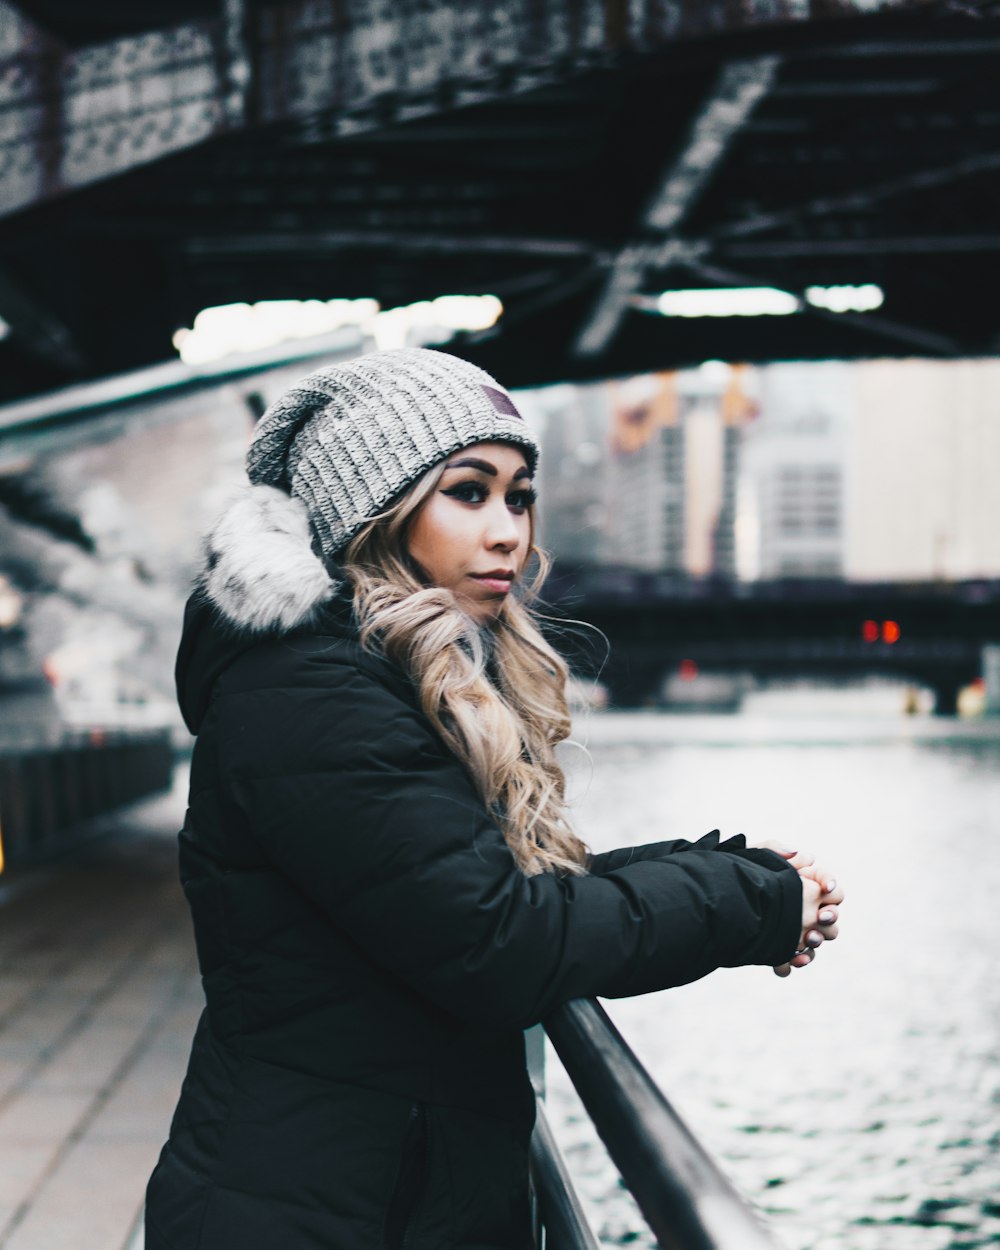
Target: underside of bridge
{"x": 573, "y": 157}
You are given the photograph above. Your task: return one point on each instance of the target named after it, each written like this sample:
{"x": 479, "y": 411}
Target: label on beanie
{"x": 501, "y": 402}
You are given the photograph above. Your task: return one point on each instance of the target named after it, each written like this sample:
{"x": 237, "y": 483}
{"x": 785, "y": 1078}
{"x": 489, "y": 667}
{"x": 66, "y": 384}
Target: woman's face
{"x": 473, "y": 532}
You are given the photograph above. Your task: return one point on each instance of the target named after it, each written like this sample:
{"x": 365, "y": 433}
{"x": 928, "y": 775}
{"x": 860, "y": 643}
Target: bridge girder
{"x": 653, "y": 623}
{"x": 573, "y": 157}
{"x": 738, "y": 89}
{"x": 73, "y": 116}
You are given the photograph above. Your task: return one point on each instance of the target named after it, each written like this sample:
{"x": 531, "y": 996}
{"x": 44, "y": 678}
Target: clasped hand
{"x": 821, "y": 899}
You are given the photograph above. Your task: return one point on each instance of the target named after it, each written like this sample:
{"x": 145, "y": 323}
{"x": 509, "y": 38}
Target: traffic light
{"x": 888, "y": 631}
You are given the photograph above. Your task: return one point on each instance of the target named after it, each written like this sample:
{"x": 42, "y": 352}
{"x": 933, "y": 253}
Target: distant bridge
{"x": 929, "y": 633}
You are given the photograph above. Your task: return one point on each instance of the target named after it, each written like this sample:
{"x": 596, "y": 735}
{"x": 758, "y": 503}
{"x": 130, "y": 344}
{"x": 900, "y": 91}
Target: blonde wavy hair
{"x": 496, "y": 694}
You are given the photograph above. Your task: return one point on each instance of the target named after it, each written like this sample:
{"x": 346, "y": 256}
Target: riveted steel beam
{"x": 71, "y": 117}
{"x": 236, "y": 68}
{"x": 317, "y": 242}
{"x": 68, "y": 118}
{"x": 862, "y": 198}
{"x": 737, "y": 91}
{"x": 37, "y": 331}
{"x": 871, "y": 323}
{"x": 905, "y": 245}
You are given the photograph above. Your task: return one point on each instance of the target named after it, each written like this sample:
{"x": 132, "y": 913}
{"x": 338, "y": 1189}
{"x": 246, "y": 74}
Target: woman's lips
{"x": 494, "y": 581}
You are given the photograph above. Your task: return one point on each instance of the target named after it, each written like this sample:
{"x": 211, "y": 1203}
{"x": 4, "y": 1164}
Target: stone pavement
{"x": 99, "y": 996}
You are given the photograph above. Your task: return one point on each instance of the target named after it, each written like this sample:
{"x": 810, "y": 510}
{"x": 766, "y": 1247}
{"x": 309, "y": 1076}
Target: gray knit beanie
{"x": 349, "y": 438}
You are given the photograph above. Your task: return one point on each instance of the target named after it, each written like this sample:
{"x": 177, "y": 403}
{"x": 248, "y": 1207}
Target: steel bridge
{"x": 931, "y": 634}
{"x": 573, "y": 157}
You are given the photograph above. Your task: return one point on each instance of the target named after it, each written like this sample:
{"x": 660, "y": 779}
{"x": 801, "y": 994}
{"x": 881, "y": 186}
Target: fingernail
{"x": 826, "y": 917}
{"x": 813, "y": 938}
{"x": 831, "y": 885}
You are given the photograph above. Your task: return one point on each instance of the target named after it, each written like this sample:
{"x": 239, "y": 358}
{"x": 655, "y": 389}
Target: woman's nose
{"x": 502, "y": 530}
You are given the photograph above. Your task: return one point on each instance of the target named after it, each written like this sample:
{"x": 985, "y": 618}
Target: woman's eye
{"x": 521, "y": 499}
{"x": 467, "y": 492}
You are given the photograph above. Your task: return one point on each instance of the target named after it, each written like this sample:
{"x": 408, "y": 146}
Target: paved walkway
{"x": 99, "y": 996}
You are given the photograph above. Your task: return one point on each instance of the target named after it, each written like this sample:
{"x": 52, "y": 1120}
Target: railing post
{"x": 534, "y": 1053}
{"x": 563, "y": 1219}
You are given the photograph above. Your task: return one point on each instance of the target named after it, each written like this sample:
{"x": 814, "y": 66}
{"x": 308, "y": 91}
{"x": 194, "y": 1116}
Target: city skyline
{"x": 876, "y": 470}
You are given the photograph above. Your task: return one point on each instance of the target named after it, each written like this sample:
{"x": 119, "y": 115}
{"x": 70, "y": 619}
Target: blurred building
{"x": 873, "y": 470}
{"x": 869, "y": 470}
{"x": 572, "y": 422}
{"x": 791, "y": 519}
{"x": 924, "y": 459}
{"x": 644, "y": 472}
{"x": 645, "y": 526}
{"x": 673, "y": 466}
{"x": 716, "y": 408}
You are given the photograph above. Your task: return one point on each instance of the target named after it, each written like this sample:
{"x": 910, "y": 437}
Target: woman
{"x": 385, "y": 887}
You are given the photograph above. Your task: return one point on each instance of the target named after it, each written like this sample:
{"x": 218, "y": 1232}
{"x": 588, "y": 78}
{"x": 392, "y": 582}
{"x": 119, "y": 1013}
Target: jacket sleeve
{"x": 607, "y": 861}
{"x": 353, "y": 796}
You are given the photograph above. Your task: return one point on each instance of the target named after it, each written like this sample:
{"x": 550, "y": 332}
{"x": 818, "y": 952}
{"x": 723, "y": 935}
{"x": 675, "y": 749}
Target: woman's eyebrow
{"x": 470, "y": 462}
{"x": 484, "y": 466}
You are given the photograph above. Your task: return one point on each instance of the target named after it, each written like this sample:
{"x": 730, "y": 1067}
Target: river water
{"x": 857, "y": 1103}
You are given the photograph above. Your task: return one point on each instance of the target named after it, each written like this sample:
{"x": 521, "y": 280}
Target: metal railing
{"x": 562, "y": 1224}
{"x": 686, "y": 1200}
{"x": 50, "y": 794}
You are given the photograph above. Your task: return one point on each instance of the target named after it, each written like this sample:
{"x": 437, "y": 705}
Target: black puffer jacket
{"x": 370, "y": 955}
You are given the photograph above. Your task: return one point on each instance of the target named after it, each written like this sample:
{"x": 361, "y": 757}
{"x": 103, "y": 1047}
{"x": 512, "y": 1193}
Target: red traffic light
{"x": 888, "y": 631}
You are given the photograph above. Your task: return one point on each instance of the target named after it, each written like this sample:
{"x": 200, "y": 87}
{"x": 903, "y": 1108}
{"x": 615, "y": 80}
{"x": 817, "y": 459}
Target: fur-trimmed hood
{"x": 260, "y": 578}
{"x": 261, "y": 573}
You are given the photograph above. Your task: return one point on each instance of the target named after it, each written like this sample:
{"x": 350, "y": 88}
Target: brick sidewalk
{"x": 99, "y": 996}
